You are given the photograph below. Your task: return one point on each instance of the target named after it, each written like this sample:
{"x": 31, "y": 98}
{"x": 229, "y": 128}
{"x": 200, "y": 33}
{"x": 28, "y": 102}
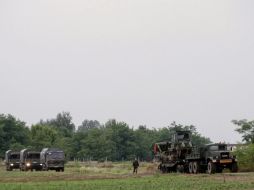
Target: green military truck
{"x": 212, "y": 158}
{"x": 30, "y": 160}
{"x": 12, "y": 159}
{"x": 52, "y": 159}
{"x": 180, "y": 155}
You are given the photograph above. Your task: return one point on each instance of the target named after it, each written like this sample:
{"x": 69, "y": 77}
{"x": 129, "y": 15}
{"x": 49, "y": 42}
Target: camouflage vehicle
{"x": 12, "y": 160}
{"x": 30, "y": 160}
{"x": 52, "y": 159}
{"x": 179, "y": 155}
{"x": 172, "y": 153}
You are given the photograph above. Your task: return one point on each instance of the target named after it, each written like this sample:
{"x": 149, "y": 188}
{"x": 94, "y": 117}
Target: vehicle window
{"x": 33, "y": 156}
{"x": 218, "y": 147}
{"x": 214, "y": 148}
{"x": 183, "y": 136}
{"x": 15, "y": 156}
{"x": 222, "y": 147}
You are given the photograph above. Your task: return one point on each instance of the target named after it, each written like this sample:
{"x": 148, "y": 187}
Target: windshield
{"x": 218, "y": 147}
{"x": 56, "y": 155}
{"x": 183, "y": 136}
{"x": 14, "y": 156}
{"x": 33, "y": 156}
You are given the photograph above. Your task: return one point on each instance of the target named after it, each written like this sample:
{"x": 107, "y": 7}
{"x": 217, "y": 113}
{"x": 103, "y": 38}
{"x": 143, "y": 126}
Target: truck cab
{"x": 218, "y": 157}
{"x": 12, "y": 159}
{"x": 30, "y": 160}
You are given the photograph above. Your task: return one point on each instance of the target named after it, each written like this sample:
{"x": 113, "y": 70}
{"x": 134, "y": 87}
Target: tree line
{"x": 114, "y": 140}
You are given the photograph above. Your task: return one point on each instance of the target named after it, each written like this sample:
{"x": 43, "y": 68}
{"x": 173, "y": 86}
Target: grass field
{"x": 119, "y": 176}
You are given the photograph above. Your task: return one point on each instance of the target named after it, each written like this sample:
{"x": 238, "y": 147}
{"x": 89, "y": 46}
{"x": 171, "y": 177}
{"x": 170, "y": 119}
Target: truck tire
{"x": 195, "y": 167}
{"x": 234, "y": 168}
{"x": 211, "y": 168}
{"x": 164, "y": 169}
{"x": 219, "y": 170}
{"x": 190, "y": 167}
{"x": 180, "y": 169}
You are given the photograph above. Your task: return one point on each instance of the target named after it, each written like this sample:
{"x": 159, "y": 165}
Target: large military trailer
{"x": 179, "y": 155}
{"x": 30, "y": 160}
{"x": 52, "y": 159}
{"x": 12, "y": 160}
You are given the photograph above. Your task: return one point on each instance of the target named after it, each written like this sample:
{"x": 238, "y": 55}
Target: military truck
{"x": 30, "y": 160}
{"x": 12, "y": 160}
{"x": 179, "y": 155}
{"x": 212, "y": 158}
{"x": 52, "y": 159}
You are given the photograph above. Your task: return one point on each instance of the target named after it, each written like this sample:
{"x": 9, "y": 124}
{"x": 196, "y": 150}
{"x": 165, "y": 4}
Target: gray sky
{"x": 139, "y": 61}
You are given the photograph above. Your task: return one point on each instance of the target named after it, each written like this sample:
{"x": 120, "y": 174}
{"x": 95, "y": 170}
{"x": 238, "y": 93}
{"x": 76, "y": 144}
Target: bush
{"x": 245, "y": 156}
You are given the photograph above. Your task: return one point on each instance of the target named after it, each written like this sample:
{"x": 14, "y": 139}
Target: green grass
{"x": 143, "y": 183}
{"x": 118, "y": 176}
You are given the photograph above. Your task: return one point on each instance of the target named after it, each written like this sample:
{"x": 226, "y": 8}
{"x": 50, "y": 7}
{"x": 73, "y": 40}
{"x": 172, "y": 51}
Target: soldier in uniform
{"x": 135, "y": 166}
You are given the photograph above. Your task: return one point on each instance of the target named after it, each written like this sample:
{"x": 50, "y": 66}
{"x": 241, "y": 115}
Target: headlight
{"x": 40, "y": 164}
{"x": 11, "y": 164}
{"x": 28, "y": 164}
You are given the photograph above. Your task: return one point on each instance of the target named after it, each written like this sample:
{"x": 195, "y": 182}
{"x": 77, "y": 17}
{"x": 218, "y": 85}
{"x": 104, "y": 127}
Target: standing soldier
{"x": 135, "y": 166}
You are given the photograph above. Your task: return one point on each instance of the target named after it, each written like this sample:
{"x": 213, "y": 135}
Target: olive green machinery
{"x": 12, "y": 159}
{"x": 52, "y": 159}
{"x": 180, "y": 155}
{"x": 30, "y": 160}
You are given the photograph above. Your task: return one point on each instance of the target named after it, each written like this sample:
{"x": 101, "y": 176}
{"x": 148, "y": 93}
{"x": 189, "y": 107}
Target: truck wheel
{"x": 211, "y": 168}
{"x": 195, "y": 167}
{"x": 190, "y": 167}
{"x": 219, "y": 170}
{"x": 180, "y": 169}
{"x": 62, "y": 169}
{"x": 164, "y": 169}
{"x": 234, "y": 168}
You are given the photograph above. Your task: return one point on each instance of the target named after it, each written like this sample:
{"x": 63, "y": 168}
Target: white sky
{"x": 139, "y": 61}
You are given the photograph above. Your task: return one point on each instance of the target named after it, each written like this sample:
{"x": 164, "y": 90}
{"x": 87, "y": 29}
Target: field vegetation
{"x": 107, "y": 176}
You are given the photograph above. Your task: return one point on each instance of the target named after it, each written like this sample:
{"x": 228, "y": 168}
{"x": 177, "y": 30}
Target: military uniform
{"x": 135, "y": 166}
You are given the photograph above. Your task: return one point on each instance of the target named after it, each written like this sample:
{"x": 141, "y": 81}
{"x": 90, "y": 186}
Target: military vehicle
{"x": 30, "y": 160}
{"x": 179, "y": 155}
{"x": 12, "y": 160}
{"x": 52, "y": 159}
{"x": 213, "y": 158}
{"x": 172, "y": 153}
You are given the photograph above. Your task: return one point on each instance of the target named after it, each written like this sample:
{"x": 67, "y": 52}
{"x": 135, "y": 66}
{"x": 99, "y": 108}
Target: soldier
{"x": 135, "y": 166}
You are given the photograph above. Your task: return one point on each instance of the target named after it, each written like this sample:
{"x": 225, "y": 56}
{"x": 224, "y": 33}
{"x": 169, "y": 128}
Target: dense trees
{"x": 112, "y": 141}
{"x": 13, "y": 133}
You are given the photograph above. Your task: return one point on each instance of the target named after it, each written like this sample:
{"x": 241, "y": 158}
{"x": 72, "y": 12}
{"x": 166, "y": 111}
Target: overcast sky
{"x": 139, "y": 61}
